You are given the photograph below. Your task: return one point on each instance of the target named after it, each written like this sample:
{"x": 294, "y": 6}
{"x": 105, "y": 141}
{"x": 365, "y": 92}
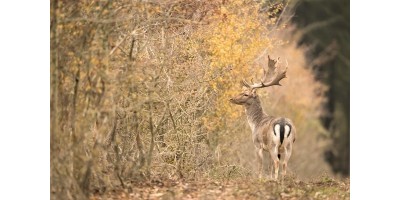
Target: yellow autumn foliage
{"x": 236, "y": 38}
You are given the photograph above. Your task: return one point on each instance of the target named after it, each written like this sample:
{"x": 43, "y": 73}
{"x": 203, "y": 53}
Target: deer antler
{"x": 270, "y": 77}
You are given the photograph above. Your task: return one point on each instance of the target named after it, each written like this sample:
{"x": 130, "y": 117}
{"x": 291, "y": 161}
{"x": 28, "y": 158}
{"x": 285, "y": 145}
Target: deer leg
{"x": 271, "y": 168}
{"x": 284, "y": 165}
{"x": 274, "y": 157}
{"x": 284, "y": 161}
{"x": 287, "y": 154}
{"x": 276, "y": 168}
{"x": 260, "y": 158}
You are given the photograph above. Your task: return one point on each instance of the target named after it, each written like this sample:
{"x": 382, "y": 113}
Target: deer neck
{"x": 255, "y": 114}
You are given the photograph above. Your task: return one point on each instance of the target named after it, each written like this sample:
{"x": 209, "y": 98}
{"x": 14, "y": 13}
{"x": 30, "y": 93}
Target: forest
{"x": 140, "y": 91}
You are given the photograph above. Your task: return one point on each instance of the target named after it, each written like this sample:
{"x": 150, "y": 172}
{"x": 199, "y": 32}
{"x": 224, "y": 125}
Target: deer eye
{"x": 245, "y": 95}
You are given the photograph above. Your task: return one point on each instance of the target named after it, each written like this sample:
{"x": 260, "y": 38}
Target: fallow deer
{"x": 273, "y": 134}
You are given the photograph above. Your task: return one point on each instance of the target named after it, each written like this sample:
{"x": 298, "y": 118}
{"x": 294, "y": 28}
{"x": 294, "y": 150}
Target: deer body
{"x": 275, "y": 135}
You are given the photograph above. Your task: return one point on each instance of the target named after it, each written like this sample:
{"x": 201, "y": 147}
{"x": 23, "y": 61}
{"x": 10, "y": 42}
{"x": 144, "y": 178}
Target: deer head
{"x": 246, "y": 97}
{"x": 270, "y": 77}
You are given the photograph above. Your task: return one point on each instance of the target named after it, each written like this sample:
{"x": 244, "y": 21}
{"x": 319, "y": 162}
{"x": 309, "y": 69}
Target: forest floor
{"x": 290, "y": 188}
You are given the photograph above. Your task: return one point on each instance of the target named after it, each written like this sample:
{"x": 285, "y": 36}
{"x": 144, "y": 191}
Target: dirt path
{"x": 324, "y": 188}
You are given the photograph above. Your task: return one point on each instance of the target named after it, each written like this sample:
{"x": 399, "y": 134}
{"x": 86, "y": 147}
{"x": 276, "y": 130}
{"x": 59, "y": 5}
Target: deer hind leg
{"x": 260, "y": 158}
{"x": 283, "y": 160}
{"x": 273, "y": 152}
{"x": 271, "y": 167}
{"x": 287, "y": 153}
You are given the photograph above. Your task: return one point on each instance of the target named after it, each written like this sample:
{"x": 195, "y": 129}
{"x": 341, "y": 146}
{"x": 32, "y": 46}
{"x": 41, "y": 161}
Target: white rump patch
{"x": 287, "y": 130}
{"x": 277, "y": 129}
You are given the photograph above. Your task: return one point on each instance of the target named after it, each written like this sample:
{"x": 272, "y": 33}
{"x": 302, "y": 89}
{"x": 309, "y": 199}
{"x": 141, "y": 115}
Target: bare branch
{"x": 122, "y": 40}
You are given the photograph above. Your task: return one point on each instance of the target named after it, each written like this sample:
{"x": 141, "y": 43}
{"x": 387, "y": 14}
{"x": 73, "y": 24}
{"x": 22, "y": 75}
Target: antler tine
{"x": 287, "y": 64}
{"x": 265, "y": 74}
{"x": 245, "y": 83}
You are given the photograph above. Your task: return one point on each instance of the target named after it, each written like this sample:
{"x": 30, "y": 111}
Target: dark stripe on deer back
{"x": 281, "y": 123}
{"x": 282, "y": 131}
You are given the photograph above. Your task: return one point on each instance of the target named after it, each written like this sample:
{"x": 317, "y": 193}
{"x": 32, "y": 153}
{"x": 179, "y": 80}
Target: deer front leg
{"x": 260, "y": 158}
{"x": 273, "y": 152}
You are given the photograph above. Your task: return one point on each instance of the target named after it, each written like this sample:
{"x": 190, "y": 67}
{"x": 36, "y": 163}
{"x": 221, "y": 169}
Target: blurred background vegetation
{"x": 325, "y": 26}
{"x": 140, "y": 89}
